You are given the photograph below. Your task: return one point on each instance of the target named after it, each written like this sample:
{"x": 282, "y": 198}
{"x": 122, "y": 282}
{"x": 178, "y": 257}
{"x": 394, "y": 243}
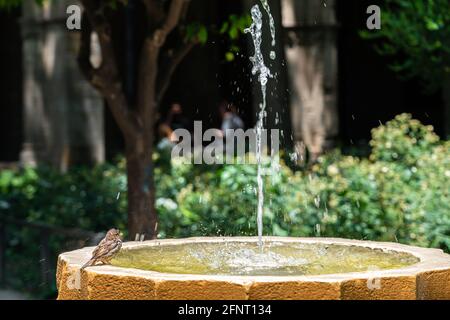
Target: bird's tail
{"x": 88, "y": 264}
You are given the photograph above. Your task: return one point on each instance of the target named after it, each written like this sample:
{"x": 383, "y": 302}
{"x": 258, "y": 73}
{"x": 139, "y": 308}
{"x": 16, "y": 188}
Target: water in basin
{"x": 274, "y": 259}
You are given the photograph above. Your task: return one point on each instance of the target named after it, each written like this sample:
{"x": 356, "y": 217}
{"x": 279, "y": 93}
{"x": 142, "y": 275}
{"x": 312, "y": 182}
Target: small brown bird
{"x": 106, "y": 249}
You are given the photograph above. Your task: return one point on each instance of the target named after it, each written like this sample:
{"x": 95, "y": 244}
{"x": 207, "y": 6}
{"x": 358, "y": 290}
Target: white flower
{"x": 333, "y": 170}
{"x": 166, "y": 203}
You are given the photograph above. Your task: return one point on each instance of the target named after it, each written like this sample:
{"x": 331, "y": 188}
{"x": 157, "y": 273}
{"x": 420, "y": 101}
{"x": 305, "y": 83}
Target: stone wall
{"x": 310, "y": 29}
{"x": 63, "y": 115}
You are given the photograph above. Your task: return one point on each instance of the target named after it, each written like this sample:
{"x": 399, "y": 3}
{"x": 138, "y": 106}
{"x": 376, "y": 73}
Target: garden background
{"x": 365, "y": 116}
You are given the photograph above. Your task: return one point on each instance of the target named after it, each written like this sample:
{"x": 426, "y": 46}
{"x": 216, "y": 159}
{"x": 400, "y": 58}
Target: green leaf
{"x": 224, "y": 27}
{"x": 202, "y": 35}
{"x": 229, "y": 56}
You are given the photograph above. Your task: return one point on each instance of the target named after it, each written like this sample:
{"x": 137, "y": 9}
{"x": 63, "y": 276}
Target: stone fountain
{"x": 359, "y": 270}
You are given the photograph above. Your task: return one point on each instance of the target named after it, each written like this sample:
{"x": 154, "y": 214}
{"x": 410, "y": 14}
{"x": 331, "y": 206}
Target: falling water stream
{"x": 260, "y": 68}
{"x": 266, "y": 7}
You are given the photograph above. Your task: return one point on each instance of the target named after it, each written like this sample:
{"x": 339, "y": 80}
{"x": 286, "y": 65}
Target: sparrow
{"x": 106, "y": 249}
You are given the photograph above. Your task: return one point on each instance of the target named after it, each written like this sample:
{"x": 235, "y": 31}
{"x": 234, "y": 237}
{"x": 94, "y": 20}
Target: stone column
{"x": 278, "y": 113}
{"x": 63, "y": 114}
{"x": 310, "y": 28}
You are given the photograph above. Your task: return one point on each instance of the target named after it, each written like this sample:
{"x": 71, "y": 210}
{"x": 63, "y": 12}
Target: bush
{"x": 403, "y": 141}
{"x": 400, "y": 193}
{"x": 416, "y": 35}
{"x": 84, "y": 198}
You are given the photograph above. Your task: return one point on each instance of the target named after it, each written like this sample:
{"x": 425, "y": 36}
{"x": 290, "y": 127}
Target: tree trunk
{"x": 136, "y": 124}
{"x": 142, "y": 217}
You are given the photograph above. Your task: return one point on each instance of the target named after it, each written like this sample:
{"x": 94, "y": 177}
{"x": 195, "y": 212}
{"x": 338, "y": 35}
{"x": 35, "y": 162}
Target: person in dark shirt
{"x": 176, "y": 119}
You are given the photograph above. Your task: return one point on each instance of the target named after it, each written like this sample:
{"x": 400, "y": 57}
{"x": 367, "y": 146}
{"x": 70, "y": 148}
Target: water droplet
{"x": 294, "y": 156}
{"x": 317, "y": 229}
{"x": 317, "y": 201}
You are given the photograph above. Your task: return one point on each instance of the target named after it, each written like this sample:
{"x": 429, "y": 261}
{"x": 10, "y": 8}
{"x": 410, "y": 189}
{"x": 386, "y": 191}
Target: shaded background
{"x": 368, "y": 91}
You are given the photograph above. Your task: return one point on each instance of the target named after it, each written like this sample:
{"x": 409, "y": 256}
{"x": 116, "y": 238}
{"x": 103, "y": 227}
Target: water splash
{"x": 260, "y": 68}
{"x": 275, "y": 259}
{"x": 266, "y": 7}
{"x": 258, "y": 59}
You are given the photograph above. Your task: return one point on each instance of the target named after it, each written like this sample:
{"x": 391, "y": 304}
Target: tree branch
{"x": 174, "y": 62}
{"x": 172, "y": 19}
{"x": 149, "y": 61}
{"x": 106, "y": 78}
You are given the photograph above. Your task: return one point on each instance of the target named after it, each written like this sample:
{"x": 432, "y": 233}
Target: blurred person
{"x": 230, "y": 117}
{"x": 176, "y": 119}
{"x": 230, "y": 122}
{"x": 166, "y": 137}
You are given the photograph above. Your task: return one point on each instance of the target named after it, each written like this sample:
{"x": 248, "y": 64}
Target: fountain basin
{"x": 369, "y": 270}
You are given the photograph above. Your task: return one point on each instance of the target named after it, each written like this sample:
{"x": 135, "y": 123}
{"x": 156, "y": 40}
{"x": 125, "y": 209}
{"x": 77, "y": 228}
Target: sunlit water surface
{"x": 275, "y": 259}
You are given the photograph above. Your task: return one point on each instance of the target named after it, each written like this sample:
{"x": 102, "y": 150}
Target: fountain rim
{"x": 429, "y": 260}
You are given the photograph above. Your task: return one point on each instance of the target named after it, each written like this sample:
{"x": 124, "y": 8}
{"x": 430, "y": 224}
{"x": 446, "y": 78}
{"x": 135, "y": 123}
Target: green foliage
{"x": 196, "y": 32}
{"x": 234, "y": 26}
{"x": 231, "y": 29}
{"x": 8, "y": 4}
{"x": 417, "y": 34}
{"x": 402, "y": 140}
{"x": 401, "y": 193}
{"x": 83, "y": 198}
